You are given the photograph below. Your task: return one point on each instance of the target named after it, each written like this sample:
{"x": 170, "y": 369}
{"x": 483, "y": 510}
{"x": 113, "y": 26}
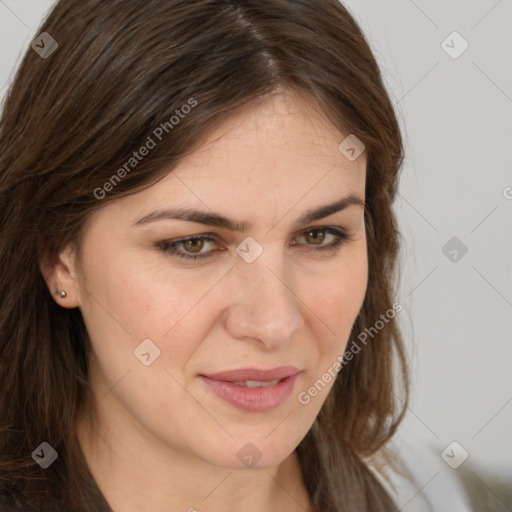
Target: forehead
{"x": 280, "y": 145}
{"x": 269, "y": 159}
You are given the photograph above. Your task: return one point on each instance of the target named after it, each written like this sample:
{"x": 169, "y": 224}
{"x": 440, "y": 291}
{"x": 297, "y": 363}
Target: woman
{"x": 198, "y": 255}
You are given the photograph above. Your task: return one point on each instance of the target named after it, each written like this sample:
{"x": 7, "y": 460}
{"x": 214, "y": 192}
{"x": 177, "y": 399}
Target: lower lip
{"x": 261, "y": 398}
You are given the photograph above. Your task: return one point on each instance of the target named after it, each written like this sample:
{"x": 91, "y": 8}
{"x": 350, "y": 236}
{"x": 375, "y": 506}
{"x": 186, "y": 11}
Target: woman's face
{"x": 202, "y": 348}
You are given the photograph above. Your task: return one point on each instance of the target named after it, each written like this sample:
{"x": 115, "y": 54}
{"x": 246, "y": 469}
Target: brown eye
{"x": 314, "y": 236}
{"x": 193, "y": 245}
{"x": 192, "y": 248}
{"x": 320, "y": 239}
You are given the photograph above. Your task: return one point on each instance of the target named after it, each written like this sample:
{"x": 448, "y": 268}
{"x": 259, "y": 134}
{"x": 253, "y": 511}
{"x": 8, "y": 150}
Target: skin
{"x": 161, "y": 439}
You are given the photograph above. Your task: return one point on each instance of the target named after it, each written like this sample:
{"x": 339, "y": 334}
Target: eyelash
{"x": 170, "y": 246}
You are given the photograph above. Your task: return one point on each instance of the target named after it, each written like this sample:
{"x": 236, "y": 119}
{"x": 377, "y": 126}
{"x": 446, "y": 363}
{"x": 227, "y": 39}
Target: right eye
{"x": 190, "y": 247}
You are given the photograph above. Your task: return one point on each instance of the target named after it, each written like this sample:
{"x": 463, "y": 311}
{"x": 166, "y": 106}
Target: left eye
{"x": 327, "y": 238}
{"x": 315, "y": 236}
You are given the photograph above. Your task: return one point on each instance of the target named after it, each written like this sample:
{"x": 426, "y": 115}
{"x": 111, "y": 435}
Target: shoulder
{"x": 14, "y": 498}
{"x": 10, "y": 498}
{"x": 421, "y": 481}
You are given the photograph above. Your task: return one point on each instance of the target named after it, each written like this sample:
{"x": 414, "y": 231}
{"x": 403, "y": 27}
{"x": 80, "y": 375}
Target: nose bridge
{"x": 267, "y": 308}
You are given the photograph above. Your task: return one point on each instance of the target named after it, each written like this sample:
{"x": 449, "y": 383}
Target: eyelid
{"x": 324, "y": 227}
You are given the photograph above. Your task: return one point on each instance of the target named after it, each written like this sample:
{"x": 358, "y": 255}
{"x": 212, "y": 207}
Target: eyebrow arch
{"x": 219, "y": 221}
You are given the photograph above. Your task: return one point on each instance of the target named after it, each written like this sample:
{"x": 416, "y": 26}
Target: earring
{"x": 60, "y": 293}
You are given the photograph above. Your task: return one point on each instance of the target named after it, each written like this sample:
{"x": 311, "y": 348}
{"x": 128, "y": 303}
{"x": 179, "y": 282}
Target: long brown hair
{"x": 71, "y": 122}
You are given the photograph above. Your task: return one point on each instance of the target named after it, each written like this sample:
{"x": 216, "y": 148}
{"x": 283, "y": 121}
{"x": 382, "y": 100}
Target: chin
{"x": 253, "y": 452}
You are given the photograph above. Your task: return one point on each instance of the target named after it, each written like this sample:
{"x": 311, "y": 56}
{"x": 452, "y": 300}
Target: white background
{"x": 456, "y": 116}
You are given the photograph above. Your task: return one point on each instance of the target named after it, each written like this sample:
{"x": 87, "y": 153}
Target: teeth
{"x": 256, "y": 383}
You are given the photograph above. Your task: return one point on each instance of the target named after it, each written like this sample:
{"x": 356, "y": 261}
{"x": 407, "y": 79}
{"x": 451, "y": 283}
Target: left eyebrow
{"x": 330, "y": 209}
{"x": 219, "y": 221}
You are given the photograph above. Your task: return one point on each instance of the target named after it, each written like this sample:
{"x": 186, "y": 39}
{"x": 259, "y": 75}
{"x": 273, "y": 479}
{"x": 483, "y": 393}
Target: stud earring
{"x": 60, "y": 293}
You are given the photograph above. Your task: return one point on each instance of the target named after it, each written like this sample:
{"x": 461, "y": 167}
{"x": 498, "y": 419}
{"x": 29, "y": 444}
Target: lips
{"x": 251, "y": 389}
{"x": 253, "y": 374}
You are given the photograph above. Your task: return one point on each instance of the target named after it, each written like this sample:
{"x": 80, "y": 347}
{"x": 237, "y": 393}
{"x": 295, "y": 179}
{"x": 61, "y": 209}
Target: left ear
{"x": 61, "y": 276}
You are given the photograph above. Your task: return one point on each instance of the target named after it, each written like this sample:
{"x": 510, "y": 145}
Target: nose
{"x": 264, "y": 307}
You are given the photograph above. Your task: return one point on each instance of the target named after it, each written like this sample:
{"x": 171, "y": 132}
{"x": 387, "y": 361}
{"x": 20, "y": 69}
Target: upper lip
{"x": 244, "y": 374}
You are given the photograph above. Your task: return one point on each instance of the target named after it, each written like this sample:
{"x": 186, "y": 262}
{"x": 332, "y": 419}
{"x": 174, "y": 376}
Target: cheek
{"x": 337, "y": 298}
{"x": 338, "y": 294}
{"x": 143, "y": 295}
